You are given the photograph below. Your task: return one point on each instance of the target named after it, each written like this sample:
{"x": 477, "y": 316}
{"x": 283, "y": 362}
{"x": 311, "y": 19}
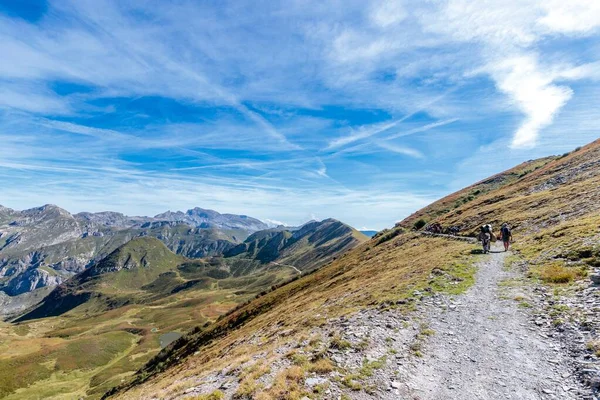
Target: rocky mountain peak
{"x": 47, "y": 210}
{"x": 5, "y": 209}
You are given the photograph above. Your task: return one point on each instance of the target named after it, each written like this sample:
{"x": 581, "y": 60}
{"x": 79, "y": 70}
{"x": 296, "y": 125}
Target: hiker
{"x": 485, "y": 236}
{"x": 453, "y": 230}
{"x": 506, "y": 236}
{"x": 434, "y": 228}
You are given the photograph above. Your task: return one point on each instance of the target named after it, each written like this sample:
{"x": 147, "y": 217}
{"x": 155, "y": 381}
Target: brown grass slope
{"x": 551, "y": 203}
{"x": 465, "y": 197}
{"x": 562, "y": 189}
{"x": 385, "y": 274}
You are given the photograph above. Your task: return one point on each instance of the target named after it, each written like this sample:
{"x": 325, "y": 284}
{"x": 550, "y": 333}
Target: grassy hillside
{"x": 309, "y": 247}
{"x": 120, "y": 278}
{"x": 551, "y": 204}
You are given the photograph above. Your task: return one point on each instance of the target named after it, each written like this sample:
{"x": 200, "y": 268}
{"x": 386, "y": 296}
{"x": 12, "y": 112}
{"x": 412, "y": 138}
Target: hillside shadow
{"x": 480, "y": 251}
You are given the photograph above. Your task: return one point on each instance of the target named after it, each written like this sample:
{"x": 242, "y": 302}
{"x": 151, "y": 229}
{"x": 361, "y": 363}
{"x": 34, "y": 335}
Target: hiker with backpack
{"x": 485, "y": 237}
{"x": 506, "y": 236}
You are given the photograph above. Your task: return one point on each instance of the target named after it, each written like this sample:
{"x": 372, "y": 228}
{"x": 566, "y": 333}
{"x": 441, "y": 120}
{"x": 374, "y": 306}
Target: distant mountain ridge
{"x": 43, "y": 246}
{"x": 311, "y": 245}
{"x": 145, "y": 269}
{"x": 204, "y": 218}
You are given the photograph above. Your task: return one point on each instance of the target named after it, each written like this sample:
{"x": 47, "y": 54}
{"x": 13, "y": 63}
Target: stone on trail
{"x": 315, "y": 381}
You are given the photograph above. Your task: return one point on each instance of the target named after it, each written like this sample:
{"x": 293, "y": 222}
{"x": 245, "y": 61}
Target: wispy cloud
{"x": 363, "y": 132}
{"x": 407, "y": 151}
{"x": 424, "y": 128}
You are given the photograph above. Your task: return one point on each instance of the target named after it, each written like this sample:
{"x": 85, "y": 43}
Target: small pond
{"x": 168, "y": 338}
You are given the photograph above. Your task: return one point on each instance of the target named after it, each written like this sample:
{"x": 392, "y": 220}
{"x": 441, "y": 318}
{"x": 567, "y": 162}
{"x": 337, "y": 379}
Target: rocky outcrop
{"x": 32, "y": 279}
{"x": 110, "y": 219}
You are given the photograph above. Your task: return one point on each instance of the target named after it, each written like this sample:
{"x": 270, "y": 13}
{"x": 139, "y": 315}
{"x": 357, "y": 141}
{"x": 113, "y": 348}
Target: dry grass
{"x": 556, "y": 273}
{"x": 594, "y": 347}
{"x": 384, "y": 274}
{"x": 288, "y": 385}
{"x": 467, "y": 198}
{"x": 557, "y": 190}
{"x": 216, "y": 395}
{"x": 255, "y": 371}
{"x": 322, "y": 366}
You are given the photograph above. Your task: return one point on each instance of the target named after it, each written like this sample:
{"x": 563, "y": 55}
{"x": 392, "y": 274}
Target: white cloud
{"x": 31, "y": 98}
{"x": 407, "y": 151}
{"x": 424, "y": 128}
{"x": 508, "y": 32}
{"x": 573, "y": 16}
{"x": 584, "y": 71}
{"x": 273, "y": 223}
{"x": 532, "y": 91}
{"x": 149, "y": 194}
{"x": 362, "y": 132}
{"x": 388, "y": 12}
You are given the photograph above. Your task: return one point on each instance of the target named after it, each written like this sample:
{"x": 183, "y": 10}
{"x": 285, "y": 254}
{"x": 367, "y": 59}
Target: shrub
{"x": 594, "y": 346}
{"x": 216, "y": 395}
{"x": 246, "y": 389}
{"x": 557, "y": 273}
{"x": 389, "y": 236}
{"x": 419, "y": 224}
{"x": 294, "y": 374}
{"x": 322, "y": 366}
{"x": 340, "y": 344}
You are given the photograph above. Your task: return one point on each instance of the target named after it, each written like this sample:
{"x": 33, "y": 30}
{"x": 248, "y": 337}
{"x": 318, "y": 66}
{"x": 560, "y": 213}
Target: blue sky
{"x": 286, "y": 110}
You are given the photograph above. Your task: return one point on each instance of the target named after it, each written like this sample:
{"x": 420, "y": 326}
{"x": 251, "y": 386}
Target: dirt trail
{"x": 286, "y": 265}
{"x": 485, "y": 347}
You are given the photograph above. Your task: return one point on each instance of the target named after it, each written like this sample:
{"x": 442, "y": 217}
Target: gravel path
{"x": 485, "y": 347}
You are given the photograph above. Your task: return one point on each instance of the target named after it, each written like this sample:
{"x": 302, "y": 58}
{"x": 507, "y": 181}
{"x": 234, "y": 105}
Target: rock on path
{"x": 486, "y": 348}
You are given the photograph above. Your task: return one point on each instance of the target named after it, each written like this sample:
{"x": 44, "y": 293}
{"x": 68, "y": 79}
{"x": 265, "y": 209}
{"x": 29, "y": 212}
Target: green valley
{"x": 104, "y": 323}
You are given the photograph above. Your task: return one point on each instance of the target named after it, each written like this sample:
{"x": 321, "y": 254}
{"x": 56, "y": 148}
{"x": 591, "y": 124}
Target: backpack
{"x": 505, "y": 231}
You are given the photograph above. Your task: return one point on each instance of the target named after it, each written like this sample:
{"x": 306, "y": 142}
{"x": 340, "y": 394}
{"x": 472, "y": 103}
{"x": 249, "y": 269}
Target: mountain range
{"x": 145, "y": 269}
{"x": 44, "y": 246}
